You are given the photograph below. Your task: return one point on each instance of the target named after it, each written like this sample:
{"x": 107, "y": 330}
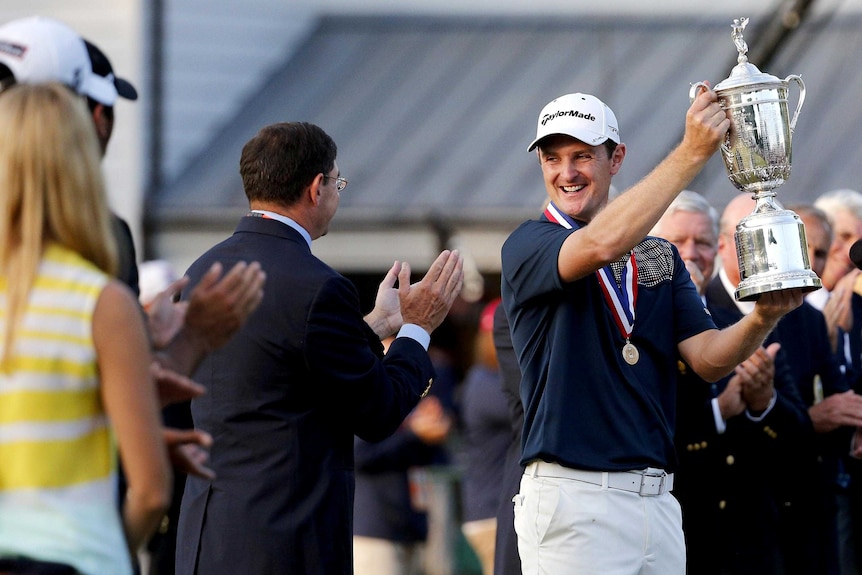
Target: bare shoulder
{"x": 116, "y": 309}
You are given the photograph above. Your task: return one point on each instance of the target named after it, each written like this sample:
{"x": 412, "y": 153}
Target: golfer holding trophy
{"x": 770, "y": 242}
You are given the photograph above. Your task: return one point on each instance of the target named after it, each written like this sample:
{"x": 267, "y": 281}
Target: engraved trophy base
{"x": 772, "y": 252}
{"x": 753, "y": 289}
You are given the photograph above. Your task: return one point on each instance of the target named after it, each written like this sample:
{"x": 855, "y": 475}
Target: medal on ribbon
{"x": 621, "y": 299}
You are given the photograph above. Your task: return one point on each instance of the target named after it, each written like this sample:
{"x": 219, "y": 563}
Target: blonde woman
{"x": 74, "y": 375}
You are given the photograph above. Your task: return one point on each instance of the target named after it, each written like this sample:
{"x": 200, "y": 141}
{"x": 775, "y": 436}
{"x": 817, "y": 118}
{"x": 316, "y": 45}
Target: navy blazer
{"x": 284, "y": 399}
{"x": 748, "y": 492}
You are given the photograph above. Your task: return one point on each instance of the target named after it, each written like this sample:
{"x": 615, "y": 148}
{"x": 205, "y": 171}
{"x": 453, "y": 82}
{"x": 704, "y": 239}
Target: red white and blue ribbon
{"x": 558, "y": 217}
{"x": 621, "y": 299}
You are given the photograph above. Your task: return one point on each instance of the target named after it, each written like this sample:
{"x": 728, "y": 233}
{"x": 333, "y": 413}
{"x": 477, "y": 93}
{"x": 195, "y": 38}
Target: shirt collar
{"x": 746, "y": 307}
{"x": 818, "y": 298}
{"x": 287, "y": 221}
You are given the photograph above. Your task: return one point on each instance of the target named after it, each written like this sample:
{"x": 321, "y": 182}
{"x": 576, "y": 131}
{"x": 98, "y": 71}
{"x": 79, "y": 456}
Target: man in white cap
{"x": 599, "y": 314}
{"x": 38, "y": 49}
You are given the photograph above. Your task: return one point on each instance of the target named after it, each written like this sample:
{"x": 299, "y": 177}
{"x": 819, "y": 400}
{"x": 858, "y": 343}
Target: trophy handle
{"x": 692, "y": 93}
{"x": 798, "y": 80}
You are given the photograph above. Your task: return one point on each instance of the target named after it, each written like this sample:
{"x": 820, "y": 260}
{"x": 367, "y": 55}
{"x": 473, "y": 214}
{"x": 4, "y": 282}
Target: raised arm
{"x": 641, "y": 206}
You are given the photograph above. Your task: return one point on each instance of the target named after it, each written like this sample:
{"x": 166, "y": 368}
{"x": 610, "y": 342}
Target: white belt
{"x": 647, "y": 482}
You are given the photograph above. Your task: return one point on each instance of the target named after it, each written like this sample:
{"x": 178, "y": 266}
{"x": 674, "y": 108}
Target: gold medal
{"x": 631, "y": 355}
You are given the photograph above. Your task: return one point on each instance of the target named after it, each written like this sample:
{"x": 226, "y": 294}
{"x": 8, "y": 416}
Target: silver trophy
{"x": 770, "y": 242}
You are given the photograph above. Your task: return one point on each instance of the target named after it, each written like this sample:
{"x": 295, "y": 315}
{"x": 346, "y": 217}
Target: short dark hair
{"x": 282, "y": 159}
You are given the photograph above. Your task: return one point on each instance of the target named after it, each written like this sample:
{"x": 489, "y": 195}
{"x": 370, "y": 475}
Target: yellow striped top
{"x": 58, "y": 497}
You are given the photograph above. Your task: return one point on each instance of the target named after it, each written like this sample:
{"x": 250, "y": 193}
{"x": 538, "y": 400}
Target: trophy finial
{"x": 739, "y": 25}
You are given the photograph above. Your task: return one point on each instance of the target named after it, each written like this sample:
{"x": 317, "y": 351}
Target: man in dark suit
{"x": 841, "y": 303}
{"x": 730, "y": 435}
{"x": 305, "y": 373}
{"x": 772, "y": 460}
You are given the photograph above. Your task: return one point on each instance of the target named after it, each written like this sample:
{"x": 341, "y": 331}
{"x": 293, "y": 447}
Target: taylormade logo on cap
{"x": 581, "y": 116}
{"x": 573, "y": 113}
{"x": 14, "y": 50}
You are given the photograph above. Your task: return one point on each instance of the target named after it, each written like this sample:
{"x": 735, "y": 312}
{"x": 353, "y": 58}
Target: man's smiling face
{"x": 578, "y": 176}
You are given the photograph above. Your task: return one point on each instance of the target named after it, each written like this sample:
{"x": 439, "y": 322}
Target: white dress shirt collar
{"x": 287, "y": 221}
{"x": 746, "y": 307}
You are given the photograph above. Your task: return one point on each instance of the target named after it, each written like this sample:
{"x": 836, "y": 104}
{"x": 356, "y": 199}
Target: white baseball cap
{"x": 580, "y": 116}
{"x": 39, "y": 49}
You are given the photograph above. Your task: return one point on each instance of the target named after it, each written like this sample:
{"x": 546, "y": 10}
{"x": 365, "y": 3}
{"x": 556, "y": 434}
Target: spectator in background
{"x": 804, "y": 520}
{"x": 841, "y": 304}
{"x": 38, "y": 49}
{"x": 844, "y": 209}
{"x": 486, "y": 427}
{"x": 506, "y": 558}
{"x": 390, "y": 525}
{"x": 727, "y": 434}
{"x": 691, "y": 224}
{"x": 836, "y": 300}
{"x": 75, "y": 355}
{"x": 839, "y": 469}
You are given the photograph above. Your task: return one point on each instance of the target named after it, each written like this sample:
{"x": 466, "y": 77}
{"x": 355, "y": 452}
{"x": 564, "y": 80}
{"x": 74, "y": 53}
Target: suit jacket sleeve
{"x": 398, "y": 452}
{"x": 372, "y": 394}
{"x": 786, "y": 430}
{"x": 695, "y": 425}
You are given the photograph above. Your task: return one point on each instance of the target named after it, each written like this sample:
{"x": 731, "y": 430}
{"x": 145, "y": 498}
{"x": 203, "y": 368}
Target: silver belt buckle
{"x": 652, "y": 473}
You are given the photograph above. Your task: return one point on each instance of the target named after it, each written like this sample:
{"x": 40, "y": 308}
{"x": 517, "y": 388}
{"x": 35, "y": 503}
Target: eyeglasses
{"x": 340, "y": 183}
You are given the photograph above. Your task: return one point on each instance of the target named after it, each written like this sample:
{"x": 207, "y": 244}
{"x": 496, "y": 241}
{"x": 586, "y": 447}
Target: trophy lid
{"x": 744, "y": 73}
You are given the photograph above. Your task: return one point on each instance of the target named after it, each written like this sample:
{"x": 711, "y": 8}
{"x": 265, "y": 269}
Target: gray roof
{"x": 432, "y": 116}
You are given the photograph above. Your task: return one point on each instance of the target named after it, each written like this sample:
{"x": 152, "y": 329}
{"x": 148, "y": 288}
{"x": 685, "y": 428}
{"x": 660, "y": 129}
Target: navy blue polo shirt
{"x": 584, "y": 406}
